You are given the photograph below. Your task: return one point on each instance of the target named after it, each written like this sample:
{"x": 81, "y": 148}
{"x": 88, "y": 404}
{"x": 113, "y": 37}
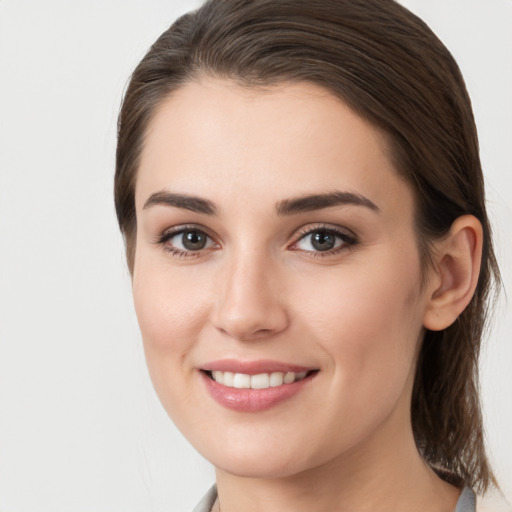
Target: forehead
{"x": 215, "y": 137}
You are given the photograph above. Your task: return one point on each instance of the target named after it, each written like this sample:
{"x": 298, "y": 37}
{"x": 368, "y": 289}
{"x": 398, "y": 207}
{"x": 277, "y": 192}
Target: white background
{"x": 80, "y": 427}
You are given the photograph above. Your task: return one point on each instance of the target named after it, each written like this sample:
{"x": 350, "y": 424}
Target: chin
{"x": 261, "y": 466}
{"x": 261, "y": 459}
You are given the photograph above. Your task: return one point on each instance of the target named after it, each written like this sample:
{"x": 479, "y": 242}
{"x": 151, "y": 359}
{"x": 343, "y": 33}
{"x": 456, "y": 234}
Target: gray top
{"x": 466, "y": 503}
{"x": 206, "y": 504}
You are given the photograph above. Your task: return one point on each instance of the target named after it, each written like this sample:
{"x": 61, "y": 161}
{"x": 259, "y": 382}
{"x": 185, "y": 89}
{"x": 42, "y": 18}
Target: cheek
{"x": 167, "y": 304}
{"x": 168, "y": 311}
{"x": 369, "y": 324}
{"x": 171, "y": 311}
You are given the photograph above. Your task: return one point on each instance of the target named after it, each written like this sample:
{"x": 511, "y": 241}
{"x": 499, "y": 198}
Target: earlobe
{"x": 457, "y": 267}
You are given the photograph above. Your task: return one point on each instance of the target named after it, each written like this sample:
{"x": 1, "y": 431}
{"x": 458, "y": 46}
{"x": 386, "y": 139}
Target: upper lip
{"x": 253, "y": 367}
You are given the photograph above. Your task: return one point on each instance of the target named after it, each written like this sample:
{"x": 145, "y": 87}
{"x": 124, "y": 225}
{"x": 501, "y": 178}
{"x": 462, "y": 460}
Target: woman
{"x": 299, "y": 188}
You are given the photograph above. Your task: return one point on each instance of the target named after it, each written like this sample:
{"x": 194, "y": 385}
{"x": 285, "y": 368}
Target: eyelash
{"x": 179, "y": 230}
{"x": 349, "y": 240}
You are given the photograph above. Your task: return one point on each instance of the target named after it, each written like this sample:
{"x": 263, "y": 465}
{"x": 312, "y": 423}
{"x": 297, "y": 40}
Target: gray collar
{"x": 466, "y": 503}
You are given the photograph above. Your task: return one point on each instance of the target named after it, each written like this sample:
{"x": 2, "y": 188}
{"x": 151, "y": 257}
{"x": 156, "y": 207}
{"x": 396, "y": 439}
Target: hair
{"x": 390, "y": 68}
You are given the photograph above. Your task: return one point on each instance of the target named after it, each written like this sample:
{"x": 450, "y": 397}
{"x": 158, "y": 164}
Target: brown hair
{"x": 388, "y": 66}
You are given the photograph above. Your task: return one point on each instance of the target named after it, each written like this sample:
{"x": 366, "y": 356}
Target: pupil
{"x": 193, "y": 240}
{"x": 323, "y": 241}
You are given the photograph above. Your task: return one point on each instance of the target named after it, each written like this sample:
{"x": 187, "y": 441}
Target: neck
{"x": 385, "y": 473}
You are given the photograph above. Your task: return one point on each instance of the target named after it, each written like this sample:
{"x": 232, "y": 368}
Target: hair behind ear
{"x": 446, "y": 390}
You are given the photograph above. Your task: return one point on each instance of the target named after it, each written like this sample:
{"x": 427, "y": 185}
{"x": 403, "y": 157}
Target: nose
{"x": 250, "y": 303}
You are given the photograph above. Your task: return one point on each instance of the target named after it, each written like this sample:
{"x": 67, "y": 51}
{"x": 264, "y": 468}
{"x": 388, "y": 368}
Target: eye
{"x": 184, "y": 241}
{"x": 327, "y": 240}
{"x": 190, "y": 240}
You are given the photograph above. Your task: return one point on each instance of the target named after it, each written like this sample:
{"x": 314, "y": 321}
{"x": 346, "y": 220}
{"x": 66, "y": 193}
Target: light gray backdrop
{"x": 80, "y": 427}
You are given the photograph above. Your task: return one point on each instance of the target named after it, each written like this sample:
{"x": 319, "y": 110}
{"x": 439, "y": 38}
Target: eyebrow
{"x": 192, "y": 203}
{"x": 319, "y": 201}
{"x": 286, "y": 207}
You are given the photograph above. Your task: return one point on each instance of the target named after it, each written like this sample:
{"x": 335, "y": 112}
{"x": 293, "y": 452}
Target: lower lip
{"x": 253, "y": 400}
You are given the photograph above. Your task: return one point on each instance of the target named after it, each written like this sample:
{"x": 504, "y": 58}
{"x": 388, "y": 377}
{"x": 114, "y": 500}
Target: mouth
{"x": 255, "y": 386}
{"x": 258, "y": 381}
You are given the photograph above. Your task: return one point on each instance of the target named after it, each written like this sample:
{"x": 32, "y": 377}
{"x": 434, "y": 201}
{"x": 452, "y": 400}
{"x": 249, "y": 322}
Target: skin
{"x": 260, "y": 290}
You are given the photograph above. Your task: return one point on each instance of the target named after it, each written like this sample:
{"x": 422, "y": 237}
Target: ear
{"x": 453, "y": 280}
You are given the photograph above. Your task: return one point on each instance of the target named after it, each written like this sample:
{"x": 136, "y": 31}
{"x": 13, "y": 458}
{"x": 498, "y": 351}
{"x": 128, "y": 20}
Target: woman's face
{"x": 275, "y": 243}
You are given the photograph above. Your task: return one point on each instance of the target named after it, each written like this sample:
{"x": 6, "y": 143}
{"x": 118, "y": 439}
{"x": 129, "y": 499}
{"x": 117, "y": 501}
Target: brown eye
{"x": 320, "y": 241}
{"x": 194, "y": 240}
{"x": 323, "y": 240}
{"x": 186, "y": 240}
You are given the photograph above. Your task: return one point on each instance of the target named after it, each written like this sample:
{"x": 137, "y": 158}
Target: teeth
{"x": 289, "y": 377}
{"x": 260, "y": 381}
{"x": 242, "y": 381}
{"x": 276, "y": 379}
{"x": 228, "y": 379}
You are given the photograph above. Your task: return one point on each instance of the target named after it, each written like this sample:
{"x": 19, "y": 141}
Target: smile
{"x": 260, "y": 381}
{"x": 254, "y": 386}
